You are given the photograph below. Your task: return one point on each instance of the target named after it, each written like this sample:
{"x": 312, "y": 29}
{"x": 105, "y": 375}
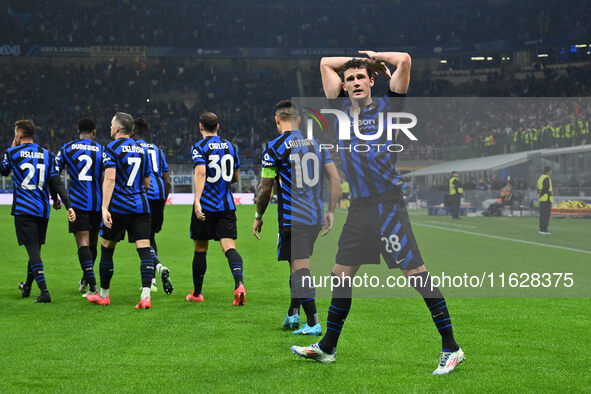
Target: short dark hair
{"x": 356, "y": 63}
{"x": 125, "y": 121}
{"x": 26, "y": 126}
{"x": 286, "y": 110}
{"x": 209, "y": 120}
{"x": 86, "y": 126}
{"x": 140, "y": 126}
{"x": 547, "y": 169}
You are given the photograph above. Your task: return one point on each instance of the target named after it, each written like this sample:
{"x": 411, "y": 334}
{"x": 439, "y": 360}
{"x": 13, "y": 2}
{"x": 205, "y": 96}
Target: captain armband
{"x": 269, "y": 172}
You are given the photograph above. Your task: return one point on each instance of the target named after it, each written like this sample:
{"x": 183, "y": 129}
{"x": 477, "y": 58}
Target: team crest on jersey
{"x": 354, "y": 111}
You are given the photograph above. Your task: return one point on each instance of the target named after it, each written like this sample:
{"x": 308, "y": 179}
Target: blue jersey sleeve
{"x": 269, "y": 158}
{"x": 108, "y": 159}
{"x": 236, "y": 159}
{"x": 52, "y": 171}
{"x": 147, "y": 169}
{"x": 59, "y": 160}
{"x": 5, "y": 166}
{"x": 198, "y": 156}
{"x": 164, "y": 164}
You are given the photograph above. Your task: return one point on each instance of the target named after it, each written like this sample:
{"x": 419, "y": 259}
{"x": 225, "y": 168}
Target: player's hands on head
{"x": 257, "y": 227}
{"x": 198, "y": 212}
{"x": 71, "y": 215}
{"x": 328, "y": 222}
{"x": 369, "y": 54}
{"x": 57, "y": 204}
{"x": 376, "y": 66}
{"x": 107, "y": 218}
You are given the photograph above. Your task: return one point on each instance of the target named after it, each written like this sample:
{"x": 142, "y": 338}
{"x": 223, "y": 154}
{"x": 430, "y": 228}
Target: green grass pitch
{"x": 388, "y": 344}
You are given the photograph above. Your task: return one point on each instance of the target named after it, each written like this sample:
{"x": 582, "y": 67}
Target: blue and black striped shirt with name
{"x": 221, "y": 160}
{"x": 132, "y": 166}
{"x": 82, "y": 159}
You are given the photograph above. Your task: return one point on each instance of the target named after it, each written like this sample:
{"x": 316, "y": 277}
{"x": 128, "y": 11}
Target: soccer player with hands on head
{"x": 377, "y": 221}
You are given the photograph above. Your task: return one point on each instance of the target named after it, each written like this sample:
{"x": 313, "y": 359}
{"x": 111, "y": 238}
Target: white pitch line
{"x": 454, "y": 224}
{"x": 503, "y": 238}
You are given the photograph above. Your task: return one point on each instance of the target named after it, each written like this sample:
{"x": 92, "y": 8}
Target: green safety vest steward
{"x": 452, "y": 188}
{"x": 546, "y": 196}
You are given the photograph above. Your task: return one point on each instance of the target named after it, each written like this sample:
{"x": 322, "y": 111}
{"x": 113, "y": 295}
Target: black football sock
{"x": 106, "y": 267}
{"x": 86, "y": 263}
{"x": 153, "y": 244}
{"x": 438, "y": 308}
{"x": 155, "y": 260}
{"x": 146, "y": 266}
{"x": 30, "y": 277}
{"x": 294, "y": 306}
{"x": 199, "y": 269}
{"x": 34, "y": 251}
{"x": 236, "y": 265}
{"x": 337, "y": 313}
{"x": 306, "y": 293}
{"x": 93, "y": 253}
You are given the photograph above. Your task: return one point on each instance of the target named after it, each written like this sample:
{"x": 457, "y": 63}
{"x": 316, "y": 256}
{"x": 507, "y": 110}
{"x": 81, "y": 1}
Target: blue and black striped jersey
{"x": 159, "y": 166}
{"x": 300, "y": 171}
{"x": 32, "y": 167}
{"x": 132, "y": 165}
{"x": 222, "y": 161}
{"x": 369, "y": 167}
{"x": 82, "y": 159}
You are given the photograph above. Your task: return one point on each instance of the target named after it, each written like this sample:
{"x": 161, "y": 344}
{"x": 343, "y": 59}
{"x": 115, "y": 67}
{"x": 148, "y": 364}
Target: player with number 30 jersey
{"x": 216, "y": 167}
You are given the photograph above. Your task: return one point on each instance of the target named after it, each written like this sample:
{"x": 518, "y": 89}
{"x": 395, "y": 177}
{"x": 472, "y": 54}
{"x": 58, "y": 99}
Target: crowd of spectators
{"x": 56, "y": 98}
{"x": 285, "y": 24}
{"x": 508, "y": 119}
{"x": 171, "y": 94}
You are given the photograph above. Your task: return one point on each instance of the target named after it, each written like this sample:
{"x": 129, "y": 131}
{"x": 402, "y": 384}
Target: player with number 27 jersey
{"x": 221, "y": 160}
{"x": 82, "y": 158}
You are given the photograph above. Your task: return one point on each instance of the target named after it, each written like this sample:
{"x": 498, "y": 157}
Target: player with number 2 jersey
{"x": 82, "y": 159}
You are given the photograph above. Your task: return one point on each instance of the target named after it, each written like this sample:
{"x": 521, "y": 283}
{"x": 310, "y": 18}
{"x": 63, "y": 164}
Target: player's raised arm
{"x": 329, "y": 70}
{"x": 400, "y": 80}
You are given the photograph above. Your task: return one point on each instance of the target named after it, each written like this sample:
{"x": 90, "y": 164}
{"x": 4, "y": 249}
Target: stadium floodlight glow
{"x": 489, "y": 58}
{"x": 443, "y": 61}
{"x": 477, "y": 58}
{"x": 542, "y": 55}
{"x": 581, "y": 45}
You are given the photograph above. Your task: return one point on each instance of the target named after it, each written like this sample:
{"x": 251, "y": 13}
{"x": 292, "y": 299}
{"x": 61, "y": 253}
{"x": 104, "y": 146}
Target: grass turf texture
{"x": 387, "y": 344}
